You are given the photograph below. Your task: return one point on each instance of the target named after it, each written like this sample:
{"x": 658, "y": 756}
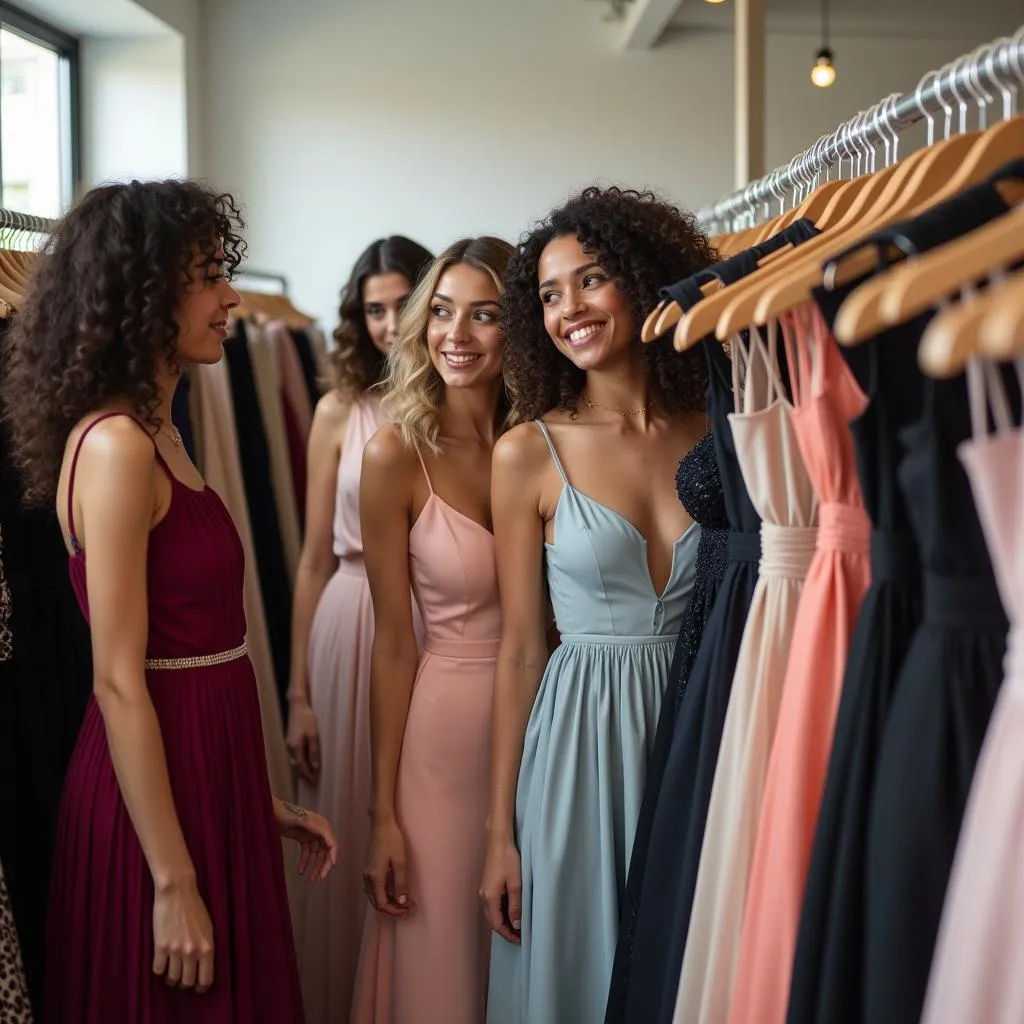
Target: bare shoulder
{"x": 333, "y": 409}
{"x": 117, "y": 444}
{"x": 387, "y": 452}
{"x": 521, "y": 451}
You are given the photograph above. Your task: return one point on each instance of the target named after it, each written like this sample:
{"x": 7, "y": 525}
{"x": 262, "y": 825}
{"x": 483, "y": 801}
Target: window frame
{"x": 66, "y": 47}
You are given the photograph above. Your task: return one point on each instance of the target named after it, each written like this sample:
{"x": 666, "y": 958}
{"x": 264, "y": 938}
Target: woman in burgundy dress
{"x": 167, "y": 899}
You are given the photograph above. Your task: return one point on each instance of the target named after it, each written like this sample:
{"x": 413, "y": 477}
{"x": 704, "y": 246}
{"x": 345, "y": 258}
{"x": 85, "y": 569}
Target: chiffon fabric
{"x": 432, "y": 965}
{"x": 781, "y": 490}
{"x": 825, "y": 398}
{"x": 328, "y": 919}
{"x": 585, "y": 756}
{"x": 650, "y": 949}
{"x": 978, "y": 970}
{"x": 99, "y": 957}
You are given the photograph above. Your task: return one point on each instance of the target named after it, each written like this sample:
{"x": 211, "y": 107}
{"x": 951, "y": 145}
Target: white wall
{"x": 133, "y": 108}
{"x": 185, "y": 17}
{"x": 339, "y": 122}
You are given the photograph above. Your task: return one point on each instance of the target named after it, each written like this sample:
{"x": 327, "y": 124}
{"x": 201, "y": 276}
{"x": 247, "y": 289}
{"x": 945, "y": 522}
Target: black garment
{"x": 659, "y": 891}
{"x": 254, "y": 456}
{"x": 181, "y": 417}
{"x": 44, "y": 688}
{"x": 939, "y": 714}
{"x": 829, "y": 963}
{"x": 304, "y": 347}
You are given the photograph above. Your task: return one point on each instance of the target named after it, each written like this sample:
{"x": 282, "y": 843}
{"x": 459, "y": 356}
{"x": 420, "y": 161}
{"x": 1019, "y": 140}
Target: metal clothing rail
{"x": 997, "y": 66}
{"x": 263, "y": 277}
{"x": 14, "y": 221}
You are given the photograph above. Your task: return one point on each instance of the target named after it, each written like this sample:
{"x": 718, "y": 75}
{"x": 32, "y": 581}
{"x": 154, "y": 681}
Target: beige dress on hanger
{"x": 781, "y": 491}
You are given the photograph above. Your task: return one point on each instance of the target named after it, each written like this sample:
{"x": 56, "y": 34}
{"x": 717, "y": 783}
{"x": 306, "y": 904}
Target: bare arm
{"x": 316, "y": 566}
{"x": 116, "y": 495}
{"x": 522, "y": 656}
{"x": 385, "y": 516}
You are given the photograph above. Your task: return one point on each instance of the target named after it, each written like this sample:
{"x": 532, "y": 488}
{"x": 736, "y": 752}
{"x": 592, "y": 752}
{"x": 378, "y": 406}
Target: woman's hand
{"x": 303, "y": 739}
{"x": 182, "y": 937}
{"x": 313, "y": 833}
{"x": 384, "y": 871}
{"x": 503, "y": 880}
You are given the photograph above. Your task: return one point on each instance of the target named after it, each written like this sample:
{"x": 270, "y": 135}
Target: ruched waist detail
{"x": 843, "y": 527}
{"x": 963, "y": 602}
{"x": 744, "y": 547}
{"x": 461, "y": 648}
{"x": 786, "y": 551}
{"x": 621, "y": 641}
{"x": 352, "y": 565}
{"x": 894, "y": 558}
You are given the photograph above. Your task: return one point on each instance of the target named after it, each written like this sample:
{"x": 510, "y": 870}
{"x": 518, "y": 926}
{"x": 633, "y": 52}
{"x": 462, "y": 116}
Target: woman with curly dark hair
{"x": 168, "y": 878}
{"x": 585, "y": 484}
{"x": 332, "y": 620}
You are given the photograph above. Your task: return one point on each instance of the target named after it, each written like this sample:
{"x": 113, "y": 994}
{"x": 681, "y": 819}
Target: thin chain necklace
{"x": 174, "y": 434}
{"x": 622, "y": 412}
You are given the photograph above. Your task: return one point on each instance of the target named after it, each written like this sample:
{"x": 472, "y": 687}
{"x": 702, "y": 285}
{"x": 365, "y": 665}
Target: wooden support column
{"x": 750, "y": 82}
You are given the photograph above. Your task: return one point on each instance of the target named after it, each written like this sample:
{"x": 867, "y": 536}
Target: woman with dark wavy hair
{"x": 585, "y": 484}
{"x": 332, "y": 620}
{"x": 167, "y": 899}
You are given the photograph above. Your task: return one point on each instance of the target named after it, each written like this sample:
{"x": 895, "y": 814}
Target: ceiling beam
{"x": 645, "y": 23}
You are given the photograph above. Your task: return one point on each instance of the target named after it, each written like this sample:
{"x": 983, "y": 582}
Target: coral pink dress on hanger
{"x": 826, "y": 398}
{"x": 978, "y": 969}
{"x": 433, "y": 964}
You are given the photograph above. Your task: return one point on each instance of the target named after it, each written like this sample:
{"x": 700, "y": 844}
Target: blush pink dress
{"x": 978, "y": 968}
{"x": 825, "y": 399}
{"x": 433, "y": 965}
{"x": 328, "y": 918}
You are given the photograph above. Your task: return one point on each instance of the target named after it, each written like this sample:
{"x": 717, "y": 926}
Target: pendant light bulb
{"x": 823, "y": 74}
{"x": 715, "y": 1}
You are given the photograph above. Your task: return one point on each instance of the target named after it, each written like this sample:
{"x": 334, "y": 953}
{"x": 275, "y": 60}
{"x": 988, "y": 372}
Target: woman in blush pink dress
{"x": 426, "y": 518}
{"x": 332, "y": 622}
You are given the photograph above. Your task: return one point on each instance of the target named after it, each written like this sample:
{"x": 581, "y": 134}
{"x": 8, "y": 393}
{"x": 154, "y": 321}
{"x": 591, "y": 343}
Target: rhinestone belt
{"x": 198, "y": 661}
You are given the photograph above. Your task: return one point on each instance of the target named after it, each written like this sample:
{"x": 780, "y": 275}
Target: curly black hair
{"x": 644, "y": 243}
{"x": 357, "y": 363}
{"x": 99, "y": 317}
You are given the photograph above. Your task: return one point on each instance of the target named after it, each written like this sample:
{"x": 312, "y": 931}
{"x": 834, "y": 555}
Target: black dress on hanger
{"x": 44, "y": 687}
{"x": 254, "y": 456}
{"x": 828, "y": 982}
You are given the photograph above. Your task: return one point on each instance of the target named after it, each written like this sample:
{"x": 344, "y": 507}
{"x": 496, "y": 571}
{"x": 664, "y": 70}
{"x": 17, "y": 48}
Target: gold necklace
{"x": 174, "y": 434}
{"x": 622, "y": 412}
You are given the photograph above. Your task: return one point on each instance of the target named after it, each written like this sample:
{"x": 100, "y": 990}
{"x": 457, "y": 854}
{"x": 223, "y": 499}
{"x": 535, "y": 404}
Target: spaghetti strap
{"x": 423, "y": 466}
{"x": 74, "y": 467}
{"x": 554, "y": 454}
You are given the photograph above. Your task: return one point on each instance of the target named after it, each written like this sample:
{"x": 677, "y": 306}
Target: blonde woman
{"x": 426, "y": 518}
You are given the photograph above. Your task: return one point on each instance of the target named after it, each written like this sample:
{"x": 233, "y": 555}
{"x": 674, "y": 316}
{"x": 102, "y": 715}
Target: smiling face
{"x": 463, "y": 335}
{"x": 202, "y": 315}
{"x": 384, "y": 297}
{"x": 585, "y": 313}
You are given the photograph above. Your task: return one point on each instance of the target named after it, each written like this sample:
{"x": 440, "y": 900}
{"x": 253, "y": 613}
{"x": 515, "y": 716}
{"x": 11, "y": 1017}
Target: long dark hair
{"x": 357, "y": 362}
{"x": 644, "y": 243}
{"x": 99, "y": 317}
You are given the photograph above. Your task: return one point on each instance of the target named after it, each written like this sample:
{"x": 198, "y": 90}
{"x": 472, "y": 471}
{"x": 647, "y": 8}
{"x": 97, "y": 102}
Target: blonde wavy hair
{"x": 413, "y": 389}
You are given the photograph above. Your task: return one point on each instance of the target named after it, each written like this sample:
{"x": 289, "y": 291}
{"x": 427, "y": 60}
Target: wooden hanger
{"x": 911, "y": 288}
{"x": 1001, "y": 333}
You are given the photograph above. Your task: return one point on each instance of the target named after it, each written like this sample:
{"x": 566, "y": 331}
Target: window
{"x": 38, "y": 115}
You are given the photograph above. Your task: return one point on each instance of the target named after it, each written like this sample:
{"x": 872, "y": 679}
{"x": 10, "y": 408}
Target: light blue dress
{"x": 585, "y": 759}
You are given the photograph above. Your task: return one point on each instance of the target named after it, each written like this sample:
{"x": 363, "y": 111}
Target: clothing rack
{"x": 14, "y": 226}
{"x": 261, "y": 279}
{"x": 969, "y": 80}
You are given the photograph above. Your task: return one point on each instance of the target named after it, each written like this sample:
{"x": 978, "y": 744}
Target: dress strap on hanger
{"x": 986, "y": 390}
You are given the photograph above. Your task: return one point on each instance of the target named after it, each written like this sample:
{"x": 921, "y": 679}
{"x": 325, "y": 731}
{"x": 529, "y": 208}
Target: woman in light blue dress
{"x": 586, "y": 513}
